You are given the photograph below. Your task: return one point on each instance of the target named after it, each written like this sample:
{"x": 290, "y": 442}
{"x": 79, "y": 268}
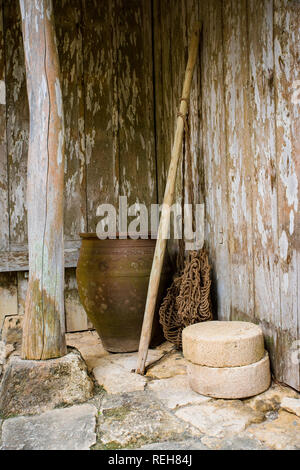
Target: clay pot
{"x": 113, "y": 277}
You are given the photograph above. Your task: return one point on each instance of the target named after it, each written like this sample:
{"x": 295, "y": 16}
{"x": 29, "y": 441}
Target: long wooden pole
{"x": 44, "y": 322}
{"x": 168, "y": 201}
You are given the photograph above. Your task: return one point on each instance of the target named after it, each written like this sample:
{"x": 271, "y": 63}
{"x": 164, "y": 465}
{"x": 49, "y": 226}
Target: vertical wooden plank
{"x": 44, "y": 321}
{"x": 101, "y": 111}
{"x": 157, "y": 22}
{"x": 8, "y": 296}
{"x": 264, "y": 189}
{"x": 286, "y": 55}
{"x": 17, "y": 122}
{"x": 214, "y": 156}
{"x": 179, "y": 41}
{"x": 238, "y": 157}
{"x": 76, "y": 318}
{"x": 22, "y": 285}
{"x": 166, "y": 119}
{"x": 136, "y": 102}
{"x": 68, "y": 16}
{"x": 193, "y": 16}
{"x": 4, "y": 220}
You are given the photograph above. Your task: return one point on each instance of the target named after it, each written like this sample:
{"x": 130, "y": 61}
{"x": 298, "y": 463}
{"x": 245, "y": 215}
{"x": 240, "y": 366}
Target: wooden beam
{"x": 44, "y": 323}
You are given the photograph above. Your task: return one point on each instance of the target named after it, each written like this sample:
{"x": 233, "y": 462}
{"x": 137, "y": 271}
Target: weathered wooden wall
{"x": 120, "y": 114}
{"x": 250, "y": 62}
{"x": 105, "y": 51}
{"x": 246, "y": 133}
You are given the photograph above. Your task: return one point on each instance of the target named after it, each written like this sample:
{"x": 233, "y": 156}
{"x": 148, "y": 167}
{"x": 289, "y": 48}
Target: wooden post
{"x": 168, "y": 201}
{"x": 44, "y": 322}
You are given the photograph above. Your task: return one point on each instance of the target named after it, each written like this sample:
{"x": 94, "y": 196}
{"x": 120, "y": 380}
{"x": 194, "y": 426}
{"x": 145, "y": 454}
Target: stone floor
{"x": 158, "y": 411}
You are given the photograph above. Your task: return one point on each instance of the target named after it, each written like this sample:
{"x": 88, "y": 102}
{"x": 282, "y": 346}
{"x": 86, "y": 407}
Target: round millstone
{"x": 230, "y": 382}
{"x": 223, "y": 343}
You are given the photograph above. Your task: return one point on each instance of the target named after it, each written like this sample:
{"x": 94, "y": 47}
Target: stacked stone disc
{"x": 226, "y": 359}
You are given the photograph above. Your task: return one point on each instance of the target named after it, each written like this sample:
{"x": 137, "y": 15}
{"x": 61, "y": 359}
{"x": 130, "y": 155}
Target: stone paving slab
{"x": 282, "y": 433}
{"x": 188, "y": 444}
{"x": 137, "y": 418}
{"x": 271, "y": 399}
{"x": 171, "y": 365}
{"x": 237, "y": 442}
{"x": 62, "y": 429}
{"x": 176, "y": 392}
{"x": 90, "y": 346}
{"x": 219, "y": 418}
{"x": 292, "y": 405}
{"x": 116, "y": 379}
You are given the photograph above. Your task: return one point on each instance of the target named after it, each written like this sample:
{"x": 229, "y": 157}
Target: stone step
{"x": 223, "y": 343}
{"x": 230, "y": 382}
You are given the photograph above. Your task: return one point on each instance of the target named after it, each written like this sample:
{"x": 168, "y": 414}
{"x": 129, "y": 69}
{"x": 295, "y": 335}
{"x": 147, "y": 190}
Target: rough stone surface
{"x": 188, "y": 444}
{"x": 12, "y": 330}
{"x": 282, "y": 433}
{"x": 292, "y": 405}
{"x": 90, "y": 346}
{"x": 237, "y": 442}
{"x": 129, "y": 360}
{"x": 231, "y": 382}
{"x": 175, "y": 392}
{"x": 217, "y": 419}
{"x": 30, "y": 387}
{"x": 116, "y": 379}
{"x": 63, "y": 429}
{"x": 135, "y": 419}
{"x": 270, "y": 400}
{"x": 223, "y": 344}
{"x": 171, "y": 365}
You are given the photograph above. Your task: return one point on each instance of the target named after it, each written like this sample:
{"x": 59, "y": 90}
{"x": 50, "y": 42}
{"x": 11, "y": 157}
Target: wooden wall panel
{"x": 68, "y": 15}
{"x": 286, "y": 53}
{"x": 101, "y": 105}
{"x": 214, "y": 156}
{"x": 4, "y": 217}
{"x": 263, "y": 155}
{"x": 165, "y": 117}
{"x": 17, "y": 123}
{"x": 239, "y": 161}
{"x": 137, "y": 158}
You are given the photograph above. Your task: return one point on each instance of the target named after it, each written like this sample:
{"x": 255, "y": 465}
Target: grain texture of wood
{"x": 4, "y": 218}
{"x": 213, "y": 153}
{"x": 240, "y": 164}
{"x": 264, "y": 188}
{"x": 287, "y": 73}
{"x": 137, "y": 158}
{"x": 44, "y": 322}
{"x": 17, "y": 122}
{"x": 68, "y": 22}
{"x": 168, "y": 200}
{"x": 101, "y": 105}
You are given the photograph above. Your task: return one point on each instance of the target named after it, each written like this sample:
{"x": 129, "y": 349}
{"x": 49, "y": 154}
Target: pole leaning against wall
{"x": 44, "y": 322}
{"x": 168, "y": 201}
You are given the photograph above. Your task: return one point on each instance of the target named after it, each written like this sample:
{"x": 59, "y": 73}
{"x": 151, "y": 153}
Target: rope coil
{"x": 188, "y": 298}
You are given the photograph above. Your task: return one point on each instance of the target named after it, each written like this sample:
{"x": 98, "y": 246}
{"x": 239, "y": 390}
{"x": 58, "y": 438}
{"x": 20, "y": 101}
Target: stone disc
{"x": 230, "y": 382}
{"x": 223, "y": 343}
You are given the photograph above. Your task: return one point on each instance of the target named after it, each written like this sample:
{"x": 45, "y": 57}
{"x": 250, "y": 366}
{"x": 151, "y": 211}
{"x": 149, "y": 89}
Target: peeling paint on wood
{"x": 101, "y": 107}
{"x": 17, "y": 122}
{"x": 213, "y": 138}
{"x": 4, "y": 222}
{"x": 244, "y": 139}
{"x": 239, "y": 161}
{"x": 135, "y": 97}
{"x": 44, "y": 321}
{"x": 68, "y": 15}
{"x": 286, "y": 54}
